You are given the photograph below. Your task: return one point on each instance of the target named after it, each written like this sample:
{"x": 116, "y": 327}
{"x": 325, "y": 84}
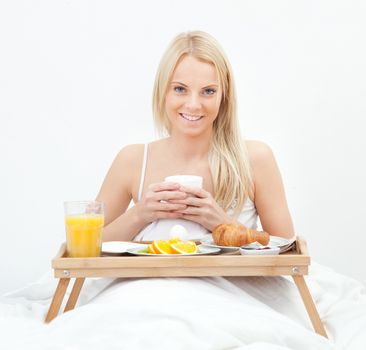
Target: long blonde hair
{"x": 228, "y": 157}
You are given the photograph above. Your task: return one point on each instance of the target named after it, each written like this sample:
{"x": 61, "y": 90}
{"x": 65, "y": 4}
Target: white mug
{"x": 186, "y": 180}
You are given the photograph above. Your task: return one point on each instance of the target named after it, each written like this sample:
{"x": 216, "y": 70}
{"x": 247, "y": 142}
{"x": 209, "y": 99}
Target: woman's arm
{"x": 269, "y": 194}
{"x": 116, "y": 193}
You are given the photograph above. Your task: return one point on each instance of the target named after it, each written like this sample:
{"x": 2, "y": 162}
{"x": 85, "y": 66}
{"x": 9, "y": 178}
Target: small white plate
{"x": 268, "y": 251}
{"x": 202, "y": 250}
{"x": 119, "y": 247}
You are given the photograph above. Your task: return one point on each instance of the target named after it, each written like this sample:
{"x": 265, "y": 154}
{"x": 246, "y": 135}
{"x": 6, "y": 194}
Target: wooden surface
{"x": 291, "y": 263}
{"x": 57, "y": 299}
{"x": 74, "y": 294}
{"x": 309, "y": 305}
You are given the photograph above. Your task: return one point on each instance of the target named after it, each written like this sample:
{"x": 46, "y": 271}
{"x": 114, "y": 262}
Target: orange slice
{"x": 174, "y": 240}
{"x": 151, "y": 249}
{"x": 188, "y": 247}
{"x": 162, "y": 247}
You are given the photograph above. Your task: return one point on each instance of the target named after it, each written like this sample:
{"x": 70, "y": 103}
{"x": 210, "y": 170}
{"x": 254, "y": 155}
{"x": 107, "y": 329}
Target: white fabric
{"x": 189, "y": 313}
{"x": 160, "y": 229}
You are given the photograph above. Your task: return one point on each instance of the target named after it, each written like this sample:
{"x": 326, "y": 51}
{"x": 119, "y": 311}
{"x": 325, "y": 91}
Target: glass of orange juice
{"x": 84, "y": 221}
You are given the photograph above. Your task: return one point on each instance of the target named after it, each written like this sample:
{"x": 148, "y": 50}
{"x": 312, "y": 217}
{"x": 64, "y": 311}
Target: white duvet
{"x": 189, "y": 313}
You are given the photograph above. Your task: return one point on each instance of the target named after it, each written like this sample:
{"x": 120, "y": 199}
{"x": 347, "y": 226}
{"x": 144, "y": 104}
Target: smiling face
{"x": 193, "y": 97}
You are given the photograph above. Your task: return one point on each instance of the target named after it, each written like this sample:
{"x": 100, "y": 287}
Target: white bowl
{"x": 267, "y": 251}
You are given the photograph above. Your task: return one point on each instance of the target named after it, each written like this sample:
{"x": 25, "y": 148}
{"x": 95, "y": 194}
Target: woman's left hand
{"x": 202, "y": 208}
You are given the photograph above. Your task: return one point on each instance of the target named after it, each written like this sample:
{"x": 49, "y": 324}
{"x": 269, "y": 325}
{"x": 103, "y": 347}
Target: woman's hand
{"x": 158, "y": 202}
{"x": 202, "y": 208}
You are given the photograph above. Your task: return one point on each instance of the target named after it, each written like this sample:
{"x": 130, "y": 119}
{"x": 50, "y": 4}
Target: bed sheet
{"x": 189, "y": 313}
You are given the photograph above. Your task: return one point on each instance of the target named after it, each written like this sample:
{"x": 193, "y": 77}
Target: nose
{"x": 193, "y": 102}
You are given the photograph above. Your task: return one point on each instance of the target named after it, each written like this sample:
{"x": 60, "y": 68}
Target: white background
{"x": 75, "y": 87}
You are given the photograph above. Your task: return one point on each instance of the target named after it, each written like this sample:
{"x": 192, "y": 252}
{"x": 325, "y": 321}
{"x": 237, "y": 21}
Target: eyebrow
{"x": 177, "y": 82}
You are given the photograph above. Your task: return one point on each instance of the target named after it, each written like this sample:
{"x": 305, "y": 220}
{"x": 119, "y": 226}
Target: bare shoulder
{"x": 124, "y": 171}
{"x": 130, "y": 154}
{"x": 133, "y": 154}
{"x": 263, "y": 164}
{"x": 259, "y": 153}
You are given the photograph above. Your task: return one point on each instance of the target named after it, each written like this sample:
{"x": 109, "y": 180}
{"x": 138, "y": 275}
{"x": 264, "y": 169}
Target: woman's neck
{"x": 189, "y": 148}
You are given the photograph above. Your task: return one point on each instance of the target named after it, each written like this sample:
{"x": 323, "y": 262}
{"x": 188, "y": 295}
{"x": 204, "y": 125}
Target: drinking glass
{"x": 84, "y": 221}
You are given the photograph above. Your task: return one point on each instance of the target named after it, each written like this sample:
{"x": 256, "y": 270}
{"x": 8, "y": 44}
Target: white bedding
{"x": 189, "y": 313}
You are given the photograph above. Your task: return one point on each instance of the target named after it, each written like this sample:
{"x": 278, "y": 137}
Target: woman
{"x": 194, "y": 103}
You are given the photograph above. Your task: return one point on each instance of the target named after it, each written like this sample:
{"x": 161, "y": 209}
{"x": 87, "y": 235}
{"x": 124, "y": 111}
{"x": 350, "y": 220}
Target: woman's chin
{"x": 193, "y": 130}
{"x": 193, "y": 133}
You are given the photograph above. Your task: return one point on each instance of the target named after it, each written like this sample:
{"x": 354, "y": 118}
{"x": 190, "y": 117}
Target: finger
{"x": 164, "y": 186}
{"x": 194, "y": 218}
{"x": 168, "y": 215}
{"x": 191, "y": 211}
{"x": 169, "y": 195}
{"x": 191, "y": 201}
{"x": 164, "y": 206}
{"x": 199, "y": 192}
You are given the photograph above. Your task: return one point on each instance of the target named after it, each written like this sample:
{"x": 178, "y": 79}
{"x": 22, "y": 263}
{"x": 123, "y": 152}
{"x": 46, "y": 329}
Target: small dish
{"x": 263, "y": 250}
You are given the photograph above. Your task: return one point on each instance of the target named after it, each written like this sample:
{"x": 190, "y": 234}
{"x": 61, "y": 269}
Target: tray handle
{"x": 61, "y": 252}
{"x": 301, "y": 246}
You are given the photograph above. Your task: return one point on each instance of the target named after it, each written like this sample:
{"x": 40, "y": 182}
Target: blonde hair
{"x": 228, "y": 157}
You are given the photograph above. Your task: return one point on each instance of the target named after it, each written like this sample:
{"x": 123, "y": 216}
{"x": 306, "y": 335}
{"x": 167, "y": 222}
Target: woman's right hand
{"x": 155, "y": 204}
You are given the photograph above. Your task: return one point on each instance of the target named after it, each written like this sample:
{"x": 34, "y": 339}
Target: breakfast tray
{"x": 294, "y": 263}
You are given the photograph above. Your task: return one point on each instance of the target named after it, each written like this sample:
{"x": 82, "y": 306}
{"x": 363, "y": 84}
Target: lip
{"x": 195, "y": 120}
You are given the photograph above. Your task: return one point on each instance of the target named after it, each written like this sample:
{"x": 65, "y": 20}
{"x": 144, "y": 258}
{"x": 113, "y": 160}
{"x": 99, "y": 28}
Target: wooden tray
{"x": 294, "y": 263}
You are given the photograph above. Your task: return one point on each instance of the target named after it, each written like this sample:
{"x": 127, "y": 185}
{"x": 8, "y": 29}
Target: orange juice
{"x": 84, "y": 234}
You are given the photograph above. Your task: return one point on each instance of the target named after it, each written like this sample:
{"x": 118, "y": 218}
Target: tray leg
{"x": 74, "y": 294}
{"x": 57, "y": 299}
{"x": 309, "y": 305}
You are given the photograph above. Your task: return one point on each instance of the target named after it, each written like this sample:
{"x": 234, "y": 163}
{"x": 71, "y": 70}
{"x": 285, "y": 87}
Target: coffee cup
{"x": 186, "y": 180}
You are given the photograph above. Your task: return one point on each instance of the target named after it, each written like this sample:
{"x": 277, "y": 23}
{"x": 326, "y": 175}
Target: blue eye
{"x": 210, "y": 91}
{"x": 179, "y": 89}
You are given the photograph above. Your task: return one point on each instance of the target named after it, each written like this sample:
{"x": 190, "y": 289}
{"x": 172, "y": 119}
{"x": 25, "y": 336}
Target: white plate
{"x": 202, "y": 250}
{"x": 283, "y": 243}
{"x": 119, "y": 247}
{"x": 208, "y": 242}
{"x": 271, "y": 251}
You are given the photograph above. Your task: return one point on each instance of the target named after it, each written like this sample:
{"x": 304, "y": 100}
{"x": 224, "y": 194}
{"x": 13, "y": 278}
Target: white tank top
{"x": 160, "y": 229}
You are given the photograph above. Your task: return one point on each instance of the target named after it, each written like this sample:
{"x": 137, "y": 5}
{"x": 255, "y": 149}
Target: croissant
{"x": 236, "y": 235}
